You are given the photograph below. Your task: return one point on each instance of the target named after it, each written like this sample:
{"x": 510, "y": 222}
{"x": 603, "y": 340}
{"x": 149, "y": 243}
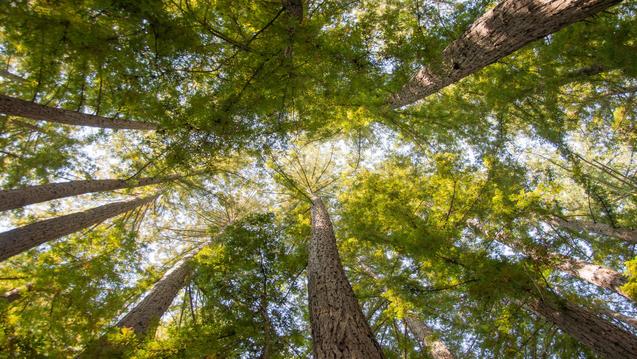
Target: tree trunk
{"x": 601, "y": 336}
{"x": 147, "y": 313}
{"x": 628, "y": 235}
{"x": 426, "y": 338}
{"x": 20, "y": 239}
{"x": 16, "y": 198}
{"x": 622, "y": 317}
{"x": 499, "y": 32}
{"x": 592, "y": 273}
{"x": 15, "y": 293}
{"x": 17, "y": 107}
{"x": 145, "y": 316}
{"x": 339, "y": 329}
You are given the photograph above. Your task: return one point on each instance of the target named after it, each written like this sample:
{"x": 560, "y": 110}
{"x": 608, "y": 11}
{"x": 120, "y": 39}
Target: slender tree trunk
{"x": 502, "y": 30}
{"x": 622, "y": 317}
{"x": 339, "y": 329}
{"x": 427, "y": 339}
{"x": 628, "y": 235}
{"x": 20, "y": 239}
{"x": 600, "y": 335}
{"x": 16, "y": 198}
{"x": 144, "y": 317}
{"x": 15, "y": 293}
{"x": 600, "y": 276}
{"x": 17, "y": 107}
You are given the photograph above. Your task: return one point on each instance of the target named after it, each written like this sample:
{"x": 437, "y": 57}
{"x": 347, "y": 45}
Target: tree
{"x": 17, "y": 107}
{"x": 338, "y": 325}
{"x": 17, "y": 198}
{"x": 502, "y": 30}
{"x": 454, "y": 178}
{"x": 21, "y": 239}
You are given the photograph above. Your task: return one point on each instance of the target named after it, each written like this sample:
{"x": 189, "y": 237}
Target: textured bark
{"x": 601, "y": 336}
{"x": 18, "y": 240}
{"x": 144, "y": 317}
{"x": 339, "y": 328}
{"x": 499, "y": 32}
{"x": 427, "y": 339}
{"x": 628, "y": 235}
{"x": 17, "y": 107}
{"x": 16, "y": 198}
{"x": 595, "y": 274}
{"x": 293, "y": 8}
{"x": 600, "y": 276}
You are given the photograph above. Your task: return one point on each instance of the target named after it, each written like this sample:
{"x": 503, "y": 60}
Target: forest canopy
{"x": 318, "y": 178}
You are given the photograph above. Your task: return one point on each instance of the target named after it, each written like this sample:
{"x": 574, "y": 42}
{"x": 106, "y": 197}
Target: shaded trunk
{"x": 427, "y": 339}
{"x": 16, "y": 198}
{"x": 339, "y": 329}
{"x": 598, "y": 334}
{"x": 17, "y": 107}
{"x": 499, "y": 32}
{"x": 20, "y": 239}
{"x": 145, "y": 316}
{"x": 628, "y": 235}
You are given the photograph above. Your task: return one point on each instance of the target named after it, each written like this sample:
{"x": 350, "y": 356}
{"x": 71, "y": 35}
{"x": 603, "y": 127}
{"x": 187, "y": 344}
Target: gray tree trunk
{"x": 600, "y": 335}
{"x": 427, "y": 339}
{"x": 628, "y": 235}
{"x": 145, "y": 316}
{"x": 23, "y": 238}
{"x": 339, "y": 328}
{"x": 499, "y": 32}
{"x": 17, "y": 107}
{"x": 16, "y": 198}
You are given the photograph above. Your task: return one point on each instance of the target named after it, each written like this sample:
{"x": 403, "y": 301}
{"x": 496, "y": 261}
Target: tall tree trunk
{"x": 628, "y": 235}
{"x": 600, "y": 276}
{"x": 16, "y": 198}
{"x": 147, "y": 313}
{"x": 427, "y": 339}
{"x": 339, "y": 329}
{"x": 145, "y": 316}
{"x": 595, "y": 274}
{"x": 499, "y": 32}
{"x": 17, "y": 107}
{"x": 600, "y": 335}
{"x": 20, "y": 239}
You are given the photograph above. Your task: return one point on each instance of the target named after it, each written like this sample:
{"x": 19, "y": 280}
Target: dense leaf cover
{"x": 457, "y": 211}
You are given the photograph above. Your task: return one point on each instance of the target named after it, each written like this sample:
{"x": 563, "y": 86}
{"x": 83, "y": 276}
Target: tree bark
{"x": 499, "y": 32}
{"x": 622, "y": 317}
{"x": 339, "y": 329}
{"x": 15, "y": 293}
{"x": 147, "y": 313}
{"x": 601, "y": 336}
{"x": 16, "y": 198}
{"x": 628, "y": 235}
{"x": 20, "y": 239}
{"x": 427, "y": 339}
{"x": 600, "y": 276}
{"x": 17, "y": 107}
